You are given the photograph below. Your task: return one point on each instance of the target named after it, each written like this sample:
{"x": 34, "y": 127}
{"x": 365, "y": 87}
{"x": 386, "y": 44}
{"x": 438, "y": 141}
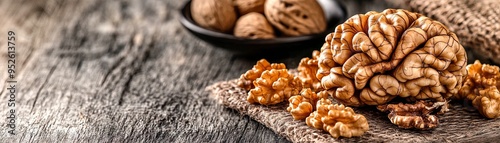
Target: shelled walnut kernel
{"x": 416, "y": 115}
{"x": 337, "y": 119}
{"x": 301, "y": 106}
{"x": 374, "y": 57}
{"x": 274, "y": 86}
{"x": 246, "y": 80}
{"x": 481, "y": 87}
{"x": 308, "y": 67}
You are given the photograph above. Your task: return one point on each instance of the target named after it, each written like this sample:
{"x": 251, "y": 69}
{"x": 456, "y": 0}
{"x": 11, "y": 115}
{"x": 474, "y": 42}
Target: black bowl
{"x": 335, "y": 14}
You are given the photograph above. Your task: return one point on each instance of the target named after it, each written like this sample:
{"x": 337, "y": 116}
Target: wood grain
{"x": 121, "y": 71}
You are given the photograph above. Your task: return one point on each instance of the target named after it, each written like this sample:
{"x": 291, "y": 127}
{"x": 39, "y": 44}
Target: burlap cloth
{"x": 476, "y": 22}
{"x": 460, "y": 124}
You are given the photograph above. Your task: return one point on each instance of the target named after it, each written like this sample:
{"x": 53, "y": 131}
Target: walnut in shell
{"x": 253, "y": 26}
{"x": 481, "y": 87}
{"x": 218, "y": 15}
{"x": 274, "y": 86}
{"x": 374, "y": 57}
{"x": 247, "y": 6}
{"x": 295, "y": 17}
{"x": 337, "y": 120}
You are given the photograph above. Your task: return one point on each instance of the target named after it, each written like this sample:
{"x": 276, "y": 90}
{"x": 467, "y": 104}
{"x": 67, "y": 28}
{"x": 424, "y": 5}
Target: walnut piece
{"x": 253, "y": 26}
{"x": 274, "y": 86}
{"x": 295, "y": 17}
{"x": 307, "y": 72}
{"x": 337, "y": 119}
{"x": 247, "y": 6}
{"x": 374, "y": 57}
{"x": 481, "y": 87}
{"x": 218, "y": 15}
{"x": 301, "y": 106}
{"x": 246, "y": 79}
{"x": 416, "y": 115}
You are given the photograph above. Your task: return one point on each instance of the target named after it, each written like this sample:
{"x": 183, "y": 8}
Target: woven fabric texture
{"x": 476, "y": 22}
{"x": 460, "y": 124}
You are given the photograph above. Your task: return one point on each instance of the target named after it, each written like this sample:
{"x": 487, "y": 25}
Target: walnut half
{"x": 481, "y": 87}
{"x": 301, "y": 106}
{"x": 374, "y": 57}
{"x": 274, "y": 86}
{"x": 418, "y": 115}
{"x": 337, "y": 119}
{"x": 246, "y": 79}
{"x": 308, "y": 67}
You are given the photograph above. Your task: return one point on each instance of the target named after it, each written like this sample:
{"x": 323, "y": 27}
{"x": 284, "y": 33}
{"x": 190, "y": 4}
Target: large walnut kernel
{"x": 253, "y": 26}
{"x": 217, "y": 15}
{"x": 374, "y": 57}
{"x": 301, "y": 106}
{"x": 337, "y": 119}
{"x": 296, "y": 17}
{"x": 274, "y": 86}
{"x": 247, "y": 6}
{"x": 308, "y": 67}
{"x": 246, "y": 79}
{"x": 481, "y": 87}
{"x": 416, "y": 115}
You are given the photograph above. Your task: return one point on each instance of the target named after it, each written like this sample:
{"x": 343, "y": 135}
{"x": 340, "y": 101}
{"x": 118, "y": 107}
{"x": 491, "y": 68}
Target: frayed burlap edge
{"x": 460, "y": 124}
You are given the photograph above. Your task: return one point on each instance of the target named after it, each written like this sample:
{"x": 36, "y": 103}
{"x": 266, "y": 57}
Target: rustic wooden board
{"x": 121, "y": 71}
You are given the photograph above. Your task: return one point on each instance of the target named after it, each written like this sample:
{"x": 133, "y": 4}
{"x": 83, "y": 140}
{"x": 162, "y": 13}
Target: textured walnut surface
{"x": 217, "y": 15}
{"x": 374, "y": 57}
{"x": 307, "y": 72}
{"x": 301, "y": 106}
{"x": 419, "y": 115}
{"x": 338, "y": 120}
{"x": 476, "y": 22}
{"x": 481, "y": 87}
{"x": 296, "y": 17}
{"x": 247, "y": 6}
{"x": 253, "y": 26}
{"x": 246, "y": 79}
{"x": 274, "y": 86}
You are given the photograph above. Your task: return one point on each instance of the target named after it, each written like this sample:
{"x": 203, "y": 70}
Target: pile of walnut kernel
{"x": 403, "y": 63}
{"x": 259, "y": 19}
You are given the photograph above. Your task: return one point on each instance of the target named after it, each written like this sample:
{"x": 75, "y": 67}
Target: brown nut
{"x": 247, "y": 6}
{"x": 301, "y": 106}
{"x": 274, "y": 86}
{"x": 337, "y": 119}
{"x": 375, "y": 57}
{"x": 253, "y": 26}
{"x": 481, "y": 87}
{"x": 416, "y": 115}
{"x": 308, "y": 67}
{"x": 296, "y": 17}
{"x": 246, "y": 79}
{"x": 218, "y": 15}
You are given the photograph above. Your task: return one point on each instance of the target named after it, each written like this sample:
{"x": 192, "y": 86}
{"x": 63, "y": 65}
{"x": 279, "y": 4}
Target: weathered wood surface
{"x": 120, "y": 71}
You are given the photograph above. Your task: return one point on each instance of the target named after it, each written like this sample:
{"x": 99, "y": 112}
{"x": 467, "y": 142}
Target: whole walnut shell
{"x": 247, "y": 6}
{"x": 374, "y": 57}
{"x": 295, "y": 17}
{"x": 253, "y": 26}
{"x": 217, "y": 15}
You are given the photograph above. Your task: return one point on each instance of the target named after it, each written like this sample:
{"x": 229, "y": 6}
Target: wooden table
{"x": 120, "y": 71}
